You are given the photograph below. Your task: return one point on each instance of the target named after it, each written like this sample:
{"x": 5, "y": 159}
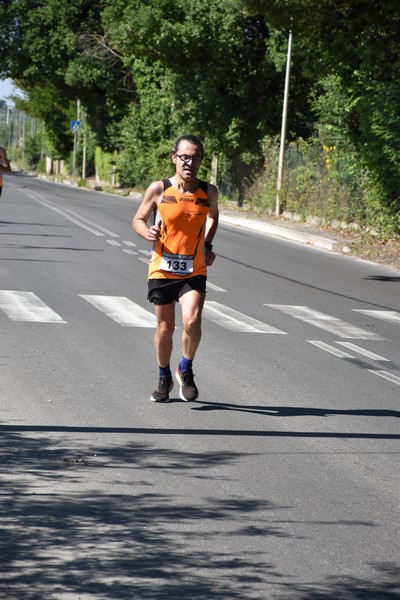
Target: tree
{"x": 41, "y": 44}
{"x": 356, "y": 42}
{"x": 220, "y": 82}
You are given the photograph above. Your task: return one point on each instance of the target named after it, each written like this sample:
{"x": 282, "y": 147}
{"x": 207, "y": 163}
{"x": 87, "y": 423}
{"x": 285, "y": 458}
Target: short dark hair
{"x": 188, "y": 138}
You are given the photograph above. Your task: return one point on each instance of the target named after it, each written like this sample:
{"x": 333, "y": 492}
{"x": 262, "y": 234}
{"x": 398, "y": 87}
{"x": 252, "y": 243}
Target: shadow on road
{"x": 66, "y": 532}
{"x": 295, "y": 411}
{"x": 350, "y": 588}
{"x": 210, "y": 431}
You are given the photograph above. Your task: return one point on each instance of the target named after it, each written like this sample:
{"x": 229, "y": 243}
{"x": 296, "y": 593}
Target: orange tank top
{"x": 180, "y": 252}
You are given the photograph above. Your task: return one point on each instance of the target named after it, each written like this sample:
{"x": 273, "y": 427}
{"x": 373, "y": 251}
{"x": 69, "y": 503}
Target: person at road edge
{"x": 4, "y": 166}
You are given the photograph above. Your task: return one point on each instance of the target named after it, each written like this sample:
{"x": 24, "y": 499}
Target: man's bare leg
{"x": 192, "y": 305}
{"x": 165, "y": 315}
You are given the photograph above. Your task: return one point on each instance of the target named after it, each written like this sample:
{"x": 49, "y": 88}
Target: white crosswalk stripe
{"x": 345, "y": 355}
{"x": 122, "y": 310}
{"x": 235, "y": 321}
{"x": 326, "y": 322}
{"x": 26, "y": 306}
{"x": 386, "y": 375}
{"x": 214, "y": 287}
{"x": 384, "y": 315}
{"x": 330, "y": 349}
{"x": 364, "y": 352}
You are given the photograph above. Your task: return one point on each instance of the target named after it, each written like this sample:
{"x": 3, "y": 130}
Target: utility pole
{"x": 76, "y": 130}
{"x": 8, "y": 121}
{"x": 84, "y": 154}
{"x": 283, "y": 128}
{"x": 84, "y": 149}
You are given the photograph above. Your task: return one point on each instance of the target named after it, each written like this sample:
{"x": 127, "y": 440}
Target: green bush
{"x": 319, "y": 181}
{"x": 104, "y": 162}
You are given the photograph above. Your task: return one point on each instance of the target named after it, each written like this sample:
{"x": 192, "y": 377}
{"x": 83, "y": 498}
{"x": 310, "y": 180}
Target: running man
{"x": 4, "y": 166}
{"x": 185, "y": 224}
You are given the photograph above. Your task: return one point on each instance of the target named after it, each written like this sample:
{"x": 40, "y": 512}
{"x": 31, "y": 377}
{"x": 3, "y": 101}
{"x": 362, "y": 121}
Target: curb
{"x": 278, "y": 231}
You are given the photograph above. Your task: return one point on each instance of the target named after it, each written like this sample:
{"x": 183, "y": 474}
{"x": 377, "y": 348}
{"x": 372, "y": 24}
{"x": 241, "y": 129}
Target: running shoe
{"x": 188, "y": 390}
{"x": 161, "y": 393}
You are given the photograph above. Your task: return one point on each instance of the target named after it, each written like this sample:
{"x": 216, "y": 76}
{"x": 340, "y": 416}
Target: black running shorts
{"x": 166, "y": 291}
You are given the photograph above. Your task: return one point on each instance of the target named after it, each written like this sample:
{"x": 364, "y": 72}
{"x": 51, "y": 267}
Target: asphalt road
{"x": 280, "y": 482}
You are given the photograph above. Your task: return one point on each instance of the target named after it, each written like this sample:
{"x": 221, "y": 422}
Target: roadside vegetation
{"x": 142, "y": 73}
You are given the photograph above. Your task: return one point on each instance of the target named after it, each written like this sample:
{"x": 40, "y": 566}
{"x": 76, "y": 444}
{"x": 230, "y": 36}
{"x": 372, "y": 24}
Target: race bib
{"x": 179, "y": 264}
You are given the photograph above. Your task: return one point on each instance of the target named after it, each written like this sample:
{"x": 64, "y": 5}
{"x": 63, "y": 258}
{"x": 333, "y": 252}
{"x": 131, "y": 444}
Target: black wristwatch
{"x": 208, "y": 245}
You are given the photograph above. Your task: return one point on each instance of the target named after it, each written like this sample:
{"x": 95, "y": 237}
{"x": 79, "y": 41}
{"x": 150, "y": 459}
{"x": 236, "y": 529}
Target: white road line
{"x": 235, "y": 321}
{"x": 70, "y": 215}
{"x": 85, "y": 220}
{"x": 145, "y": 260}
{"x": 326, "y": 322}
{"x": 129, "y": 243}
{"x": 113, "y": 242}
{"x": 122, "y": 310}
{"x": 63, "y": 213}
{"x": 364, "y": 352}
{"x": 26, "y": 306}
{"x": 386, "y": 375}
{"x": 128, "y": 251}
{"x": 146, "y": 252}
{"x": 214, "y": 287}
{"x": 385, "y": 315}
{"x": 330, "y": 349}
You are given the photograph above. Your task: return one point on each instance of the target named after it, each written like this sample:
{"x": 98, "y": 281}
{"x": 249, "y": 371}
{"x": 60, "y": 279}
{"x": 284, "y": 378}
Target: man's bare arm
{"x": 143, "y": 213}
{"x": 212, "y": 219}
{"x": 212, "y": 223}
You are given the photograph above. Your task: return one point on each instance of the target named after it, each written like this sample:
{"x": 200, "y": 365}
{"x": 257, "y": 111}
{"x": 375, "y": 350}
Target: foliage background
{"x": 147, "y": 71}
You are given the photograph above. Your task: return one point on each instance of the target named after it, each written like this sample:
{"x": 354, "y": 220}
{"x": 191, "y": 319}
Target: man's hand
{"x": 154, "y": 232}
{"x": 210, "y": 257}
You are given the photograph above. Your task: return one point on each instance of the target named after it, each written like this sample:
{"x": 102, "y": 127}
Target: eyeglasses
{"x": 188, "y": 157}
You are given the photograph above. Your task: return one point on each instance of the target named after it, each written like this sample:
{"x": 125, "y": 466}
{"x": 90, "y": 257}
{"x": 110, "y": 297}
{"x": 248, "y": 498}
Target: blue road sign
{"x": 75, "y": 126}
